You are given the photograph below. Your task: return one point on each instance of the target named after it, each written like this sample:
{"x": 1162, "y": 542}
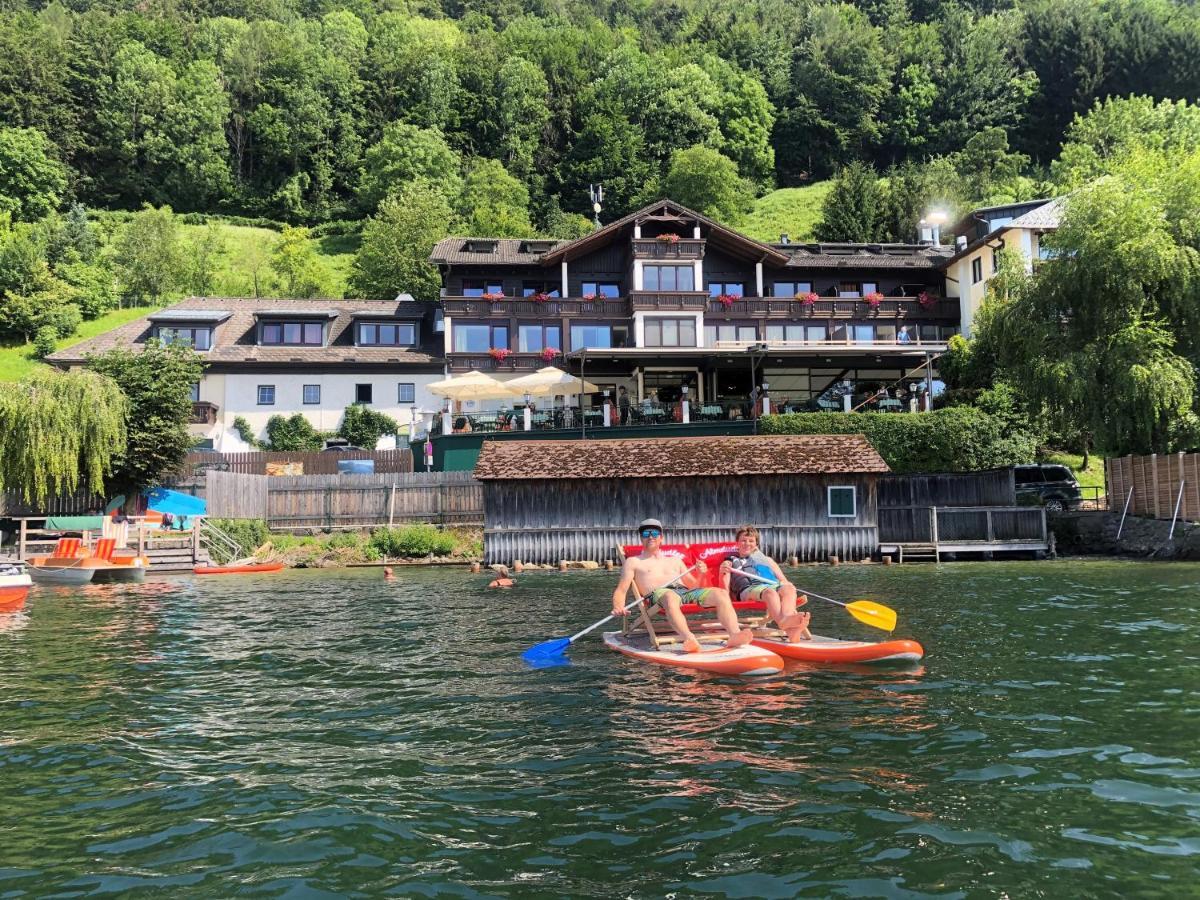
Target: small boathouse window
{"x": 266, "y": 395}
{"x": 841, "y": 502}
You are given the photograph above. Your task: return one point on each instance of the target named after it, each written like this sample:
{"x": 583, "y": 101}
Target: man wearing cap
{"x": 655, "y": 576}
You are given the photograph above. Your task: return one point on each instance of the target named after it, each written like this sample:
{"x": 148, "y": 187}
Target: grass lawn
{"x": 16, "y": 360}
{"x": 1092, "y": 476}
{"x": 791, "y": 210}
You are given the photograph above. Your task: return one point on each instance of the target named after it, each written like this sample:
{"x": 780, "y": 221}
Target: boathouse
{"x": 811, "y": 496}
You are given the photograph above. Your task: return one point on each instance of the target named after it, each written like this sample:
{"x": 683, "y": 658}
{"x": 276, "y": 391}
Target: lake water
{"x": 327, "y": 733}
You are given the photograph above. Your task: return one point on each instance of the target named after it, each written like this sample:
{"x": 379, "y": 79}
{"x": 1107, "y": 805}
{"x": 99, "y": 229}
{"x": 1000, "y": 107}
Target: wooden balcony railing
{"x": 515, "y": 363}
{"x": 684, "y": 248}
{"x": 475, "y": 307}
{"x": 203, "y": 413}
{"x": 668, "y": 301}
{"x": 833, "y": 308}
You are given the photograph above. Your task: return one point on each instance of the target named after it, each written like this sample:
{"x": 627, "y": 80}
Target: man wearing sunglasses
{"x": 665, "y": 580}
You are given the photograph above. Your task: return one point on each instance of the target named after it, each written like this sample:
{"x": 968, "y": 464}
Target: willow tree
{"x": 60, "y": 432}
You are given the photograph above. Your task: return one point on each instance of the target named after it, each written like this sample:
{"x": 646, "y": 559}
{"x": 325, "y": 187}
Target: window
{"x": 293, "y": 333}
{"x": 862, "y": 334}
{"x": 199, "y": 338}
{"x": 471, "y": 338}
{"x": 385, "y": 334}
{"x": 670, "y": 332}
{"x": 976, "y": 270}
{"x": 477, "y": 287}
{"x": 849, "y": 289}
{"x": 407, "y": 393}
{"x": 841, "y": 503}
{"x": 996, "y": 258}
{"x": 194, "y": 392}
{"x": 732, "y": 288}
{"x": 362, "y": 393}
{"x": 599, "y": 337}
{"x": 869, "y": 287}
{"x": 529, "y": 288}
{"x": 266, "y": 395}
{"x": 312, "y": 394}
{"x": 796, "y": 333}
{"x": 536, "y": 338}
{"x": 790, "y": 288}
{"x": 668, "y": 278}
{"x": 602, "y": 288}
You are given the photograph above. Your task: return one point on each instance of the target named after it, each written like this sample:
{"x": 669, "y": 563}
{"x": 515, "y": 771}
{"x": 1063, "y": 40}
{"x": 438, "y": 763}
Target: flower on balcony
{"x": 668, "y": 238}
{"x": 549, "y": 354}
{"x": 808, "y": 298}
{"x": 726, "y": 300}
{"x": 927, "y": 300}
{"x": 493, "y": 298}
{"x": 589, "y": 297}
{"x": 874, "y": 299}
{"x": 499, "y": 354}
{"x": 540, "y": 297}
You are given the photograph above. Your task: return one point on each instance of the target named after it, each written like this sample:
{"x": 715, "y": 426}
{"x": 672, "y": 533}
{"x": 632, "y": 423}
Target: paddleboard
{"x": 744, "y": 660}
{"x": 832, "y": 650}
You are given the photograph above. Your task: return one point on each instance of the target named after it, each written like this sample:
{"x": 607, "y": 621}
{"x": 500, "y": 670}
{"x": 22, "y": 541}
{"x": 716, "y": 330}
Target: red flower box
{"x": 726, "y": 300}
{"x": 926, "y": 300}
{"x": 549, "y": 354}
{"x": 808, "y": 298}
{"x": 499, "y": 354}
{"x": 874, "y": 299}
{"x": 540, "y": 297}
{"x": 668, "y": 238}
{"x": 494, "y": 298}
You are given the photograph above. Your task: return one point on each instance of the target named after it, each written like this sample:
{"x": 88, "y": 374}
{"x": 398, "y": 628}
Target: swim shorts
{"x": 701, "y": 596}
{"x": 754, "y": 592}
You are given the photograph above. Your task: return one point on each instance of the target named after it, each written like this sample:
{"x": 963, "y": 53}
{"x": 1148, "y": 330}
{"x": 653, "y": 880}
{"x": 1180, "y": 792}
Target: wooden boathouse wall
{"x": 544, "y": 521}
{"x": 905, "y": 501}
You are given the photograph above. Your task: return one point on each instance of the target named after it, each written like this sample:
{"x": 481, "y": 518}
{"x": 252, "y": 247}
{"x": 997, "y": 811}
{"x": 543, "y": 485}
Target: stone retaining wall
{"x": 1092, "y": 532}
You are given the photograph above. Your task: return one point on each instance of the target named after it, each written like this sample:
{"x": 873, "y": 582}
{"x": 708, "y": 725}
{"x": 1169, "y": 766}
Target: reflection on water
{"x": 330, "y": 732}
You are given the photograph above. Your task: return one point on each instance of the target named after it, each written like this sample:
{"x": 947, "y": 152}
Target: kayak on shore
{"x": 240, "y": 569}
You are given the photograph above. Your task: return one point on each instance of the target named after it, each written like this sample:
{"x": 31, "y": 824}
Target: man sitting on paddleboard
{"x": 781, "y": 602}
{"x": 657, "y": 578}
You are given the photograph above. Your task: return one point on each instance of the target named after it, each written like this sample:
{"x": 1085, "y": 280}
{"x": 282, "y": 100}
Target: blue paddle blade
{"x": 553, "y": 661}
{"x": 546, "y": 650}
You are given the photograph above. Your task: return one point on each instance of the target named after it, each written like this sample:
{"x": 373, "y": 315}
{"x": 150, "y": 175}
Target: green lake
{"x": 319, "y": 734}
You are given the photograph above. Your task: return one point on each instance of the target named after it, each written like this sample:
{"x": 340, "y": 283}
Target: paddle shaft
{"x": 628, "y": 608}
{"x": 754, "y": 576}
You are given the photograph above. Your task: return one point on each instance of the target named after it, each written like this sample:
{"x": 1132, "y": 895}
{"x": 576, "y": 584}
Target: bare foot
{"x": 743, "y": 637}
{"x": 798, "y": 634}
{"x": 795, "y": 620}
{"x": 691, "y": 645}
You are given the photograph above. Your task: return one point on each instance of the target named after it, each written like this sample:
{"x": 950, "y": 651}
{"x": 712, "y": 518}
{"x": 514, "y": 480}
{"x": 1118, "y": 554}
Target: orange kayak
{"x": 238, "y": 570}
{"x": 744, "y": 660}
{"x": 831, "y": 650}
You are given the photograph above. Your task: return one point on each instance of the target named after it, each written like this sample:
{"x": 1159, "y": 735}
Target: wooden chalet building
{"x": 666, "y": 297}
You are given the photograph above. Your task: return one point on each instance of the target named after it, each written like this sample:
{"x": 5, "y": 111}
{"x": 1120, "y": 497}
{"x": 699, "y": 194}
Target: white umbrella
{"x": 472, "y": 386}
{"x": 550, "y": 380}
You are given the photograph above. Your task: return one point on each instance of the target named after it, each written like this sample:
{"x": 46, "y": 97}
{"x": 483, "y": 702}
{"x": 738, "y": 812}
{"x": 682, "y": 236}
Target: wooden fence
{"x": 346, "y": 501}
{"x": 12, "y": 504}
{"x": 318, "y": 463}
{"x": 1158, "y": 482}
{"x": 906, "y": 503}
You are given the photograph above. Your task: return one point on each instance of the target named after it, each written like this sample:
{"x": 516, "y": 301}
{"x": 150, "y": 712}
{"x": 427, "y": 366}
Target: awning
{"x": 177, "y": 504}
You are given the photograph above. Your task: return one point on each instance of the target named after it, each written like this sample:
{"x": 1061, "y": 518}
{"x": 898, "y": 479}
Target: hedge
{"x": 955, "y": 439}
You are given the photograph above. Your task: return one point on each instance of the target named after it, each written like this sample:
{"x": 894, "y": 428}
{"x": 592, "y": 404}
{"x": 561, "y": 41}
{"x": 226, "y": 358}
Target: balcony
{"x": 834, "y": 308}
{"x": 668, "y": 301}
{"x": 684, "y": 248}
{"x": 203, "y": 413}
{"x": 478, "y": 308}
{"x": 514, "y": 364}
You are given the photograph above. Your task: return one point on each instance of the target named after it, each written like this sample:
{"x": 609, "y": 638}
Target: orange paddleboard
{"x": 831, "y": 650}
{"x": 744, "y": 660}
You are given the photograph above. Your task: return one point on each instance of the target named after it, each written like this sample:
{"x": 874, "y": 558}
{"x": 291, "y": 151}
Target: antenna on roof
{"x": 596, "y": 191}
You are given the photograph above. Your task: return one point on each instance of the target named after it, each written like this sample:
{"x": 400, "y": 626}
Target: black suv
{"x": 1051, "y": 485}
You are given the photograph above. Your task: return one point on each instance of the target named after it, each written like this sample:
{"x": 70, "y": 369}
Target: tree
{"x": 523, "y": 113}
{"x": 363, "y": 427}
{"x": 60, "y": 431}
{"x": 403, "y": 154}
{"x": 704, "y": 180}
{"x": 396, "y": 242}
{"x": 148, "y": 256}
{"x": 298, "y": 270}
{"x": 609, "y": 150}
{"x": 157, "y": 383}
{"x": 293, "y": 433}
{"x": 907, "y": 198}
{"x": 32, "y": 180}
{"x": 493, "y": 202}
{"x": 853, "y": 208}
{"x": 205, "y": 251}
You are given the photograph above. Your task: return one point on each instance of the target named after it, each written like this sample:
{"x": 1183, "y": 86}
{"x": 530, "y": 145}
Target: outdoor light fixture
{"x": 931, "y": 226}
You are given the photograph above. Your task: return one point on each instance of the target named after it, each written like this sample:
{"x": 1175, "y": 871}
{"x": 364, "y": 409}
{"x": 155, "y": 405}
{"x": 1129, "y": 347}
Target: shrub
{"x": 363, "y": 427}
{"x": 412, "y": 540}
{"x": 293, "y": 433}
{"x": 250, "y": 534}
{"x": 43, "y": 343}
{"x": 65, "y": 319}
{"x": 956, "y": 439}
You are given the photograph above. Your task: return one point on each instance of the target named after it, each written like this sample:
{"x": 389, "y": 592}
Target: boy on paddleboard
{"x": 658, "y": 578}
{"x": 781, "y": 601}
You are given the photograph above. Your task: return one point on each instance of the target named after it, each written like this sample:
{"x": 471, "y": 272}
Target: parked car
{"x": 1053, "y": 486}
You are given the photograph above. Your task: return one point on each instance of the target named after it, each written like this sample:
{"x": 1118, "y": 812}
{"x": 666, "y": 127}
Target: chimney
{"x": 783, "y": 238}
{"x": 960, "y": 243}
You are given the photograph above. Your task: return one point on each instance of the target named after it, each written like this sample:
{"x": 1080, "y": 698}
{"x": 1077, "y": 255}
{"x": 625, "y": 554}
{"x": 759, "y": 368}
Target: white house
{"x": 981, "y": 235}
{"x": 268, "y": 357}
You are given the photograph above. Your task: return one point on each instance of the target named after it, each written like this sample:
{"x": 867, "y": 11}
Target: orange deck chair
{"x": 66, "y": 548}
{"x": 104, "y": 549}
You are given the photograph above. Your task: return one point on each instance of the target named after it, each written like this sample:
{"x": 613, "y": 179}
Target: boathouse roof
{"x": 679, "y": 457}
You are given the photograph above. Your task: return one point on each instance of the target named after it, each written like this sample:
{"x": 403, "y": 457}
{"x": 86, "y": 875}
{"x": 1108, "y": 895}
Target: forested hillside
{"x": 306, "y": 112}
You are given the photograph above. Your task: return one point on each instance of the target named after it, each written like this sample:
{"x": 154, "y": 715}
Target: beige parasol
{"x": 550, "y": 380}
{"x": 472, "y": 386}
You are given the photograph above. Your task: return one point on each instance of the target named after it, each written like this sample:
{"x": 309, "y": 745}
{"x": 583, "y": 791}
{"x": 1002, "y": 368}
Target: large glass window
{"x": 732, "y": 288}
{"x": 536, "y": 338}
{"x": 796, "y": 333}
{"x": 599, "y": 337}
{"x": 470, "y": 338}
{"x": 862, "y": 334}
{"x": 669, "y": 278}
{"x": 849, "y": 289}
{"x": 729, "y": 332}
{"x": 199, "y": 338}
{"x": 602, "y": 288}
{"x": 384, "y": 334}
{"x": 529, "y": 288}
{"x": 295, "y": 333}
{"x": 670, "y": 332}
{"x": 477, "y": 287}
{"x": 790, "y": 288}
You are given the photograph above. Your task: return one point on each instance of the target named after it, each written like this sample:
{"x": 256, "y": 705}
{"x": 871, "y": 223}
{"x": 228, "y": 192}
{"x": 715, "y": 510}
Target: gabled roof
{"x": 1042, "y": 218}
{"x": 731, "y": 241}
{"x": 865, "y": 256}
{"x": 679, "y": 457}
{"x": 234, "y": 338}
{"x": 508, "y": 251}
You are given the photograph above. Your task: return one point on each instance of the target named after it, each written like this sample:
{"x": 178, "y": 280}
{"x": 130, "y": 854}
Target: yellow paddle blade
{"x": 874, "y": 614}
